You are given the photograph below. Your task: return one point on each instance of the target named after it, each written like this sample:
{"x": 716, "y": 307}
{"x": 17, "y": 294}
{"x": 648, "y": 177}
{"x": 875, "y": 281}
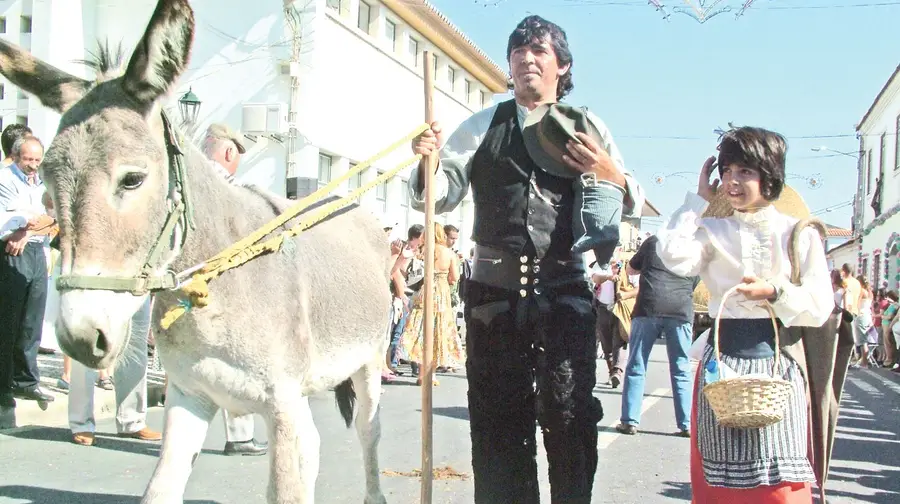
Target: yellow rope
{"x": 197, "y": 288}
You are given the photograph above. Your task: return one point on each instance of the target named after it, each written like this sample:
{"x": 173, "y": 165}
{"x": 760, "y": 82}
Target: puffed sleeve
{"x": 683, "y": 246}
{"x": 810, "y": 303}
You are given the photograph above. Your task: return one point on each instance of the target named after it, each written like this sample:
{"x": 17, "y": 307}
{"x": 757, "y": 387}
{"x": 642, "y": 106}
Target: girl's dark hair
{"x": 759, "y": 149}
{"x": 892, "y": 295}
{"x": 533, "y": 30}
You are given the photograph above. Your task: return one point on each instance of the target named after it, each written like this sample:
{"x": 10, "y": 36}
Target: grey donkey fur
{"x": 278, "y": 329}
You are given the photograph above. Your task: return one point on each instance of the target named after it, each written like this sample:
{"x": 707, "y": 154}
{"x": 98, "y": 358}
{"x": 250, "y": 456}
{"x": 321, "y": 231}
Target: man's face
{"x": 223, "y": 152}
{"x": 29, "y": 157}
{"x": 452, "y": 236}
{"x": 535, "y": 70}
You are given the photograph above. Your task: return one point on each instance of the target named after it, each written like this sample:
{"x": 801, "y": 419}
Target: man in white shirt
{"x": 607, "y": 328}
{"x": 24, "y": 230}
{"x": 224, "y": 147}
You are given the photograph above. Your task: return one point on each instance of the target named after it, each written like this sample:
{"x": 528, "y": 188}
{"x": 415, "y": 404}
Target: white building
{"x": 316, "y": 85}
{"x": 879, "y": 180}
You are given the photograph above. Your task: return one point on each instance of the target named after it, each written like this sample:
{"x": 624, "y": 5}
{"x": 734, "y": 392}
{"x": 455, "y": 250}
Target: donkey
{"x": 283, "y": 326}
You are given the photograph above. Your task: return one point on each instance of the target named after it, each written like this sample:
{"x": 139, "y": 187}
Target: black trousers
{"x": 23, "y": 295}
{"x": 531, "y": 359}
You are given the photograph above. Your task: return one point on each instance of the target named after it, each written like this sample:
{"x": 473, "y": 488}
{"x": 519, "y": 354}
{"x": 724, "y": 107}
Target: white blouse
{"x": 722, "y": 251}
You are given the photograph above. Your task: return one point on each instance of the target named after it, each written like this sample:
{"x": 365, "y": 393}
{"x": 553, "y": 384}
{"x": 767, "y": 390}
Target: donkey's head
{"x": 107, "y": 171}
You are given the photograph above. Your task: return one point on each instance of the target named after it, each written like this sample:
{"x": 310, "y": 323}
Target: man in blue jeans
{"x": 664, "y": 307}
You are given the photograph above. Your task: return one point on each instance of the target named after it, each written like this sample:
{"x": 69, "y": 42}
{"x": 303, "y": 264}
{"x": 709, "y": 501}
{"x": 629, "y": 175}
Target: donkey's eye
{"x": 132, "y": 181}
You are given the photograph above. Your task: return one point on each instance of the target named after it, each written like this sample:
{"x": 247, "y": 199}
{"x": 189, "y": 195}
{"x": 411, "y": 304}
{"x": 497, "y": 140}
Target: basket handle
{"x": 776, "y": 366}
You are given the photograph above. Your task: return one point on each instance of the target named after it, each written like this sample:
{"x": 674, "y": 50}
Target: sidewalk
{"x": 56, "y": 415}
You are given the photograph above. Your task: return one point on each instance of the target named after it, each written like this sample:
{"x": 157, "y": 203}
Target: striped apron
{"x": 749, "y": 458}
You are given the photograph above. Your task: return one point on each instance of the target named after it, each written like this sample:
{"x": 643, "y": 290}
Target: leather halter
{"x": 180, "y": 212}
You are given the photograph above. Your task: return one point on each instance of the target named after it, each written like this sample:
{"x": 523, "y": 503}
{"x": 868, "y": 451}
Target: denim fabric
{"x": 396, "y": 333}
{"x": 644, "y": 333}
{"x": 596, "y": 219}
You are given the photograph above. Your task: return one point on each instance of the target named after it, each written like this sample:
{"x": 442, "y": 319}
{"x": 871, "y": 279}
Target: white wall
{"x": 884, "y": 120}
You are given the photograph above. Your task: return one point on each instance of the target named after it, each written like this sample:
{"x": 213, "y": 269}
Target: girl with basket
{"x": 742, "y": 256}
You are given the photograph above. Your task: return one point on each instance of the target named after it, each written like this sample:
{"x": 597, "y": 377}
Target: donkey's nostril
{"x": 102, "y": 346}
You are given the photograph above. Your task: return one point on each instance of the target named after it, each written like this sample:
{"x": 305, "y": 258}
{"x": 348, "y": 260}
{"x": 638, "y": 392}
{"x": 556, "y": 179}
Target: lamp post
{"x": 189, "y": 106}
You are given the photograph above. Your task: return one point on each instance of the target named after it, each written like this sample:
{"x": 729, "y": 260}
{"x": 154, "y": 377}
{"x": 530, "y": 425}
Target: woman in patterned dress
{"x": 448, "y": 352}
{"x": 749, "y": 248}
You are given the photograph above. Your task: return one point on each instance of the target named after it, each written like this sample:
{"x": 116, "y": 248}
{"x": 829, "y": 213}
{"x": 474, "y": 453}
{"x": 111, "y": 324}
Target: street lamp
{"x": 189, "y": 106}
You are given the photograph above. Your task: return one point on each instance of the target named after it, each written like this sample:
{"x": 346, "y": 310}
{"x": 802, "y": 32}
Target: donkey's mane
{"x": 107, "y": 63}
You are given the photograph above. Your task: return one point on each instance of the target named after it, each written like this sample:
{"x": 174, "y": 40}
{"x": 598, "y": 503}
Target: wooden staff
{"x": 426, "y": 371}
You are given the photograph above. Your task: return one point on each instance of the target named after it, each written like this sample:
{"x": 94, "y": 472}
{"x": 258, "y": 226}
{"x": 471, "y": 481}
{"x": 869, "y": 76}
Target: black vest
{"x": 519, "y": 208}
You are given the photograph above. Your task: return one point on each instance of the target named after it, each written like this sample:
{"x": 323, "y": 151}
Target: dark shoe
{"x": 614, "y": 381}
{"x": 248, "y": 448}
{"x": 685, "y": 433}
{"x": 628, "y": 429}
{"x": 35, "y": 394}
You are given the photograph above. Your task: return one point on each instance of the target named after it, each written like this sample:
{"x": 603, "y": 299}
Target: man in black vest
{"x": 530, "y": 329}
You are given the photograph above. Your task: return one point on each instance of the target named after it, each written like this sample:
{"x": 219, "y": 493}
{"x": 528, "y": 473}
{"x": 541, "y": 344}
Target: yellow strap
{"x": 197, "y": 288}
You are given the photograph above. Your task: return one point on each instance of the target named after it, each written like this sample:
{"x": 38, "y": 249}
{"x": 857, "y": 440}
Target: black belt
{"x": 525, "y": 273}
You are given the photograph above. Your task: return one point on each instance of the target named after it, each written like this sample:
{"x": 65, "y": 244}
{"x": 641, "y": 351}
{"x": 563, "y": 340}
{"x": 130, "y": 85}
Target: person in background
{"x": 9, "y": 136}
{"x": 24, "y": 233}
{"x": 225, "y": 147}
{"x": 664, "y": 307}
{"x": 888, "y": 315}
{"x": 606, "y": 286}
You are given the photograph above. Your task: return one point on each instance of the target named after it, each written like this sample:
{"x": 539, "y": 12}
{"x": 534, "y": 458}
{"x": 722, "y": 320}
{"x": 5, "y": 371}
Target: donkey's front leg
{"x": 294, "y": 454}
{"x": 187, "y": 420}
{"x": 367, "y": 383}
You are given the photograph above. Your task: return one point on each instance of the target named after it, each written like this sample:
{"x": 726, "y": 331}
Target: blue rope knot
{"x": 186, "y": 304}
{"x": 287, "y": 245}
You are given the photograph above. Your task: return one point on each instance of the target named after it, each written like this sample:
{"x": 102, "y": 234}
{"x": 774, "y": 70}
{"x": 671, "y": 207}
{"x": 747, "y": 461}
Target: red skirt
{"x": 785, "y": 493}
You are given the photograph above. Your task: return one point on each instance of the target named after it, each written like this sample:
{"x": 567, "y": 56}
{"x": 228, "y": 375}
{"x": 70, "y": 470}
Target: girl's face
{"x": 741, "y": 185}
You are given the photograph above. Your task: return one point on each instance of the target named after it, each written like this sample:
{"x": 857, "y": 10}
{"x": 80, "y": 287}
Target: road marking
{"x": 890, "y": 384}
{"x": 604, "y": 439}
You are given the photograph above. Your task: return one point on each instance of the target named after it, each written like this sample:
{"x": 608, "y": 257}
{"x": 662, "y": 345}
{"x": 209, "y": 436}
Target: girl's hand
{"x": 706, "y": 190}
{"x": 756, "y": 289}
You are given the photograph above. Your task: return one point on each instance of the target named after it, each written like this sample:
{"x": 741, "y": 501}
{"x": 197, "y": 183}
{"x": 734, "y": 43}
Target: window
{"x": 2, "y": 24}
{"x": 2, "y": 91}
{"x": 481, "y": 99}
{"x": 381, "y": 193}
{"x": 882, "y": 162}
{"x": 434, "y": 60}
{"x": 355, "y": 181}
{"x": 365, "y": 11}
{"x": 468, "y": 90}
{"x": 22, "y": 120}
{"x": 334, "y": 5}
{"x": 451, "y": 76}
{"x": 324, "y": 169}
{"x": 26, "y": 24}
{"x": 869, "y": 177}
{"x": 896, "y": 144}
{"x": 390, "y": 32}
{"x": 414, "y": 50}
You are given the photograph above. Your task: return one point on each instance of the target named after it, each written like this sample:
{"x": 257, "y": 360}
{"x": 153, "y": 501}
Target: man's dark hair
{"x": 759, "y": 149}
{"x": 533, "y": 30}
{"x": 9, "y": 136}
{"x": 846, "y": 269}
{"x": 415, "y": 231}
{"x": 892, "y": 295}
{"x": 450, "y": 228}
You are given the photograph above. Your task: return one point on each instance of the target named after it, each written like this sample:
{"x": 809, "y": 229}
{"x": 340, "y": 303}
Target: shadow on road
{"x": 678, "y": 490}
{"x": 35, "y": 495}
{"x": 457, "y": 412}
{"x": 104, "y": 440}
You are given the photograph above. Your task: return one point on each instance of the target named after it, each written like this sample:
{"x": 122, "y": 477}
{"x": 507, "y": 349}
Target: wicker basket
{"x": 748, "y": 402}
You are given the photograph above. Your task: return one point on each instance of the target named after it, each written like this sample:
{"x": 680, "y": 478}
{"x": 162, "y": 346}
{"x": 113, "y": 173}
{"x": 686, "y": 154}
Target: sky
{"x": 808, "y": 69}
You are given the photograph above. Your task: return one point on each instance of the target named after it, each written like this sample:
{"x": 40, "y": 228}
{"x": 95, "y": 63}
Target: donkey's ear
{"x": 163, "y": 52}
{"x": 57, "y": 90}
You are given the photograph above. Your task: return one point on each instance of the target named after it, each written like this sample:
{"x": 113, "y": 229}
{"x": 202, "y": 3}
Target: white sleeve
{"x": 810, "y": 303}
{"x": 632, "y": 187}
{"x": 682, "y": 245}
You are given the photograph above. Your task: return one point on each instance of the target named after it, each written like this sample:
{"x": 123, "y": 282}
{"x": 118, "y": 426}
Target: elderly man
{"x": 224, "y": 147}
{"x": 530, "y": 339}
{"x": 24, "y": 230}
{"x": 9, "y": 136}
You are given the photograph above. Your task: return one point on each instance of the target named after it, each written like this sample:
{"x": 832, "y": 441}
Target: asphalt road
{"x": 40, "y": 464}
